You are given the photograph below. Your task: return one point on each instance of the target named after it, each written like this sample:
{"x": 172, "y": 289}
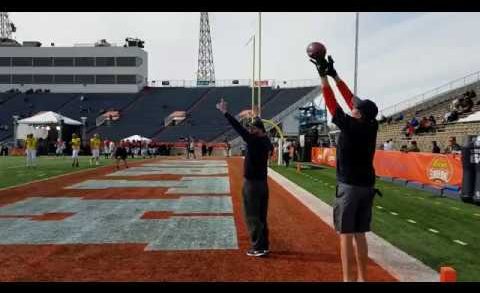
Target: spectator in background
{"x": 286, "y": 153}
{"x": 413, "y": 147}
{"x": 404, "y": 148}
{"x": 452, "y": 147}
{"x": 466, "y": 105}
{"x": 204, "y": 149}
{"x": 388, "y": 146}
{"x": 435, "y": 148}
{"x": 399, "y": 117}
{"x": 4, "y": 150}
{"x": 414, "y": 122}
{"x": 432, "y": 120}
{"x": 210, "y": 150}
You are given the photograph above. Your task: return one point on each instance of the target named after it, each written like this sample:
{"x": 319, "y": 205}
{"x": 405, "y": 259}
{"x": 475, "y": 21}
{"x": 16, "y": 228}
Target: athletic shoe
{"x": 257, "y": 253}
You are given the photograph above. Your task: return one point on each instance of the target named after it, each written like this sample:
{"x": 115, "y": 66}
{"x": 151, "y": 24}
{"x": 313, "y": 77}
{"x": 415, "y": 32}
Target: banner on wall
{"x": 433, "y": 169}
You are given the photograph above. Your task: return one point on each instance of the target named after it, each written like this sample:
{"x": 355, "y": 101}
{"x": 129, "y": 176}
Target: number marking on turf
{"x": 433, "y": 230}
{"x": 411, "y": 221}
{"x": 460, "y": 242}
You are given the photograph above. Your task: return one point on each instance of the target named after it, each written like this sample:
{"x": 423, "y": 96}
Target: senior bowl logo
{"x": 440, "y": 170}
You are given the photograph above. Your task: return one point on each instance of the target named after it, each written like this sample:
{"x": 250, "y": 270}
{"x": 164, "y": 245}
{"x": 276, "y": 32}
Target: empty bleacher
{"x": 144, "y": 113}
{"x": 146, "y": 116}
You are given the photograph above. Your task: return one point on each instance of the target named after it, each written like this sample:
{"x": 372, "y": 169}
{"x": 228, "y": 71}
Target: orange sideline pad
{"x": 433, "y": 169}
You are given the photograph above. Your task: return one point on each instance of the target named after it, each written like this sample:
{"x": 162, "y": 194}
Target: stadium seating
{"x": 437, "y": 107}
{"x": 144, "y": 113}
{"x": 146, "y": 116}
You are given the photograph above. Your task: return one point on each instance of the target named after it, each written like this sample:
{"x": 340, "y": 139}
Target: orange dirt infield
{"x": 303, "y": 247}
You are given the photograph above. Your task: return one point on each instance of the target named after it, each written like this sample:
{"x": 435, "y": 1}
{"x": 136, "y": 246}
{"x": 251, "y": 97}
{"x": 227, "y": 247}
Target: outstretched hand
{"x": 222, "y": 106}
{"x": 330, "y": 69}
{"x": 321, "y": 65}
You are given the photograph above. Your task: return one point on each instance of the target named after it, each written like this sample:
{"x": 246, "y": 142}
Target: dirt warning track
{"x": 185, "y": 228}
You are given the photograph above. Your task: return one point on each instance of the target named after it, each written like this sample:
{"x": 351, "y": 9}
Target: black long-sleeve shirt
{"x": 258, "y": 149}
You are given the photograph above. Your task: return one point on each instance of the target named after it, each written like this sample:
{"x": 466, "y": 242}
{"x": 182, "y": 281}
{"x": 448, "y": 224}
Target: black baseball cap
{"x": 367, "y": 107}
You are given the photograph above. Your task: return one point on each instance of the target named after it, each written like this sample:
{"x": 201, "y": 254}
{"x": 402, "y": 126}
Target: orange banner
{"x": 433, "y": 169}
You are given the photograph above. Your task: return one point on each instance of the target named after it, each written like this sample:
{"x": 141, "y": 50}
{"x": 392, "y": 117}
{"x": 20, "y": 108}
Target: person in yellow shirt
{"x": 76, "y": 142}
{"x": 95, "y": 143}
{"x": 31, "y": 150}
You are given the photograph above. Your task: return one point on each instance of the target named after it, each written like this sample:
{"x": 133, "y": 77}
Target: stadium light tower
{"x": 206, "y": 69}
{"x": 7, "y": 28}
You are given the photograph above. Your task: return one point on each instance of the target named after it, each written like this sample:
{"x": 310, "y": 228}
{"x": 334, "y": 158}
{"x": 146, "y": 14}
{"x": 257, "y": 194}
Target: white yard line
{"x": 433, "y": 231}
{"x": 379, "y": 207}
{"x": 460, "y": 242}
{"x": 411, "y": 221}
{"x": 402, "y": 266}
{"x": 478, "y": 215}
{"x": 393, "y": 213}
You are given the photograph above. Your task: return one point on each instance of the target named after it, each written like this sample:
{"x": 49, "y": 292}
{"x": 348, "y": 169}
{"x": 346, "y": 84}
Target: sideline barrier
{"x": 427, "y": 168}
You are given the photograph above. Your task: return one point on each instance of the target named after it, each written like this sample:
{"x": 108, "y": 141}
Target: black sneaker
{"x": 257, "y": 253}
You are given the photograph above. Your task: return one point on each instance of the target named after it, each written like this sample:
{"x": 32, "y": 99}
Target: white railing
{"x": 236, "y": 82}
{"x": 431, "y": 94}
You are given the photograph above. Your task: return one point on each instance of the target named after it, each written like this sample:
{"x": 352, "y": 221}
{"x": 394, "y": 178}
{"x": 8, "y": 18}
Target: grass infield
{"x": 437, "y": 231}
{"x": 13, "y": 170}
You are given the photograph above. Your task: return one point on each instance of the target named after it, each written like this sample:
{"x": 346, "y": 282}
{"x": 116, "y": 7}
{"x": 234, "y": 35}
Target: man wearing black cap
{"x": 352, "y": 211}
{"x": 255, "y": 187}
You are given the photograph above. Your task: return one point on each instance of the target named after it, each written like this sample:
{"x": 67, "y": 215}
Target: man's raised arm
{"x": 222, "y": 107}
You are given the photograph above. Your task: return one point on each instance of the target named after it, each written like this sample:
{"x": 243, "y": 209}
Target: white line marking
{"x": 437, "y": 202}
{"x": 478, "y": 215}
{"x": 422, "y": 198}
{"x": 433, "y": 231}
{"x": 393, "y": 213}
{"x": 379, "y": 207}
{"x": 411, "y": 221}
{"x": 460, "y": 242}
{"x": 454, "y": 208}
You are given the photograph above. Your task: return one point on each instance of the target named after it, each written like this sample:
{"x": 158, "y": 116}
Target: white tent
{"x": 39, "y": 124}
{"x": 44, "y": 118}
{"x": 137, "y": 137}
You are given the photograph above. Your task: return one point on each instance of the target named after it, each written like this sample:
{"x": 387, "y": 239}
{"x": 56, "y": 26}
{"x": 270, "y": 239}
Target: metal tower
{"x": 6, "y": 26}
{"x": 206, "y": 70}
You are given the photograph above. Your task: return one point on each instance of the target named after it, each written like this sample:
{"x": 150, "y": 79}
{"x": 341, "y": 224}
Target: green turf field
{"x": 437, "y": 231}
{"x": 14, "y": 172}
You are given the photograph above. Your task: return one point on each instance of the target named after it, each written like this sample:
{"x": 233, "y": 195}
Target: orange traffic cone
{"x": 448, "y": 274}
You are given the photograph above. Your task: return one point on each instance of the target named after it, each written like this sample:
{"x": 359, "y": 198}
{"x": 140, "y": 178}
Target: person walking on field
{"x": 355, "y": 192}
{"x": 121, "y": 155}
{"x": 31, "y": 150}
{"x": 76, "y": 142}
{"x": 95, "y": 144}
{"x": 255, "y": 187}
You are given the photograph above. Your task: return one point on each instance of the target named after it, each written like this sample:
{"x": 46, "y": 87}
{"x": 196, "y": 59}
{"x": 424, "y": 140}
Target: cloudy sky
{"x": 400, "y": 54}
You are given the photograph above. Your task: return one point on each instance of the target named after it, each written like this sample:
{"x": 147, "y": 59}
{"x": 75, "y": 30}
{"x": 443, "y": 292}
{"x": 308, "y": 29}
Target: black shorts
{"x": 352, "y": 211}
